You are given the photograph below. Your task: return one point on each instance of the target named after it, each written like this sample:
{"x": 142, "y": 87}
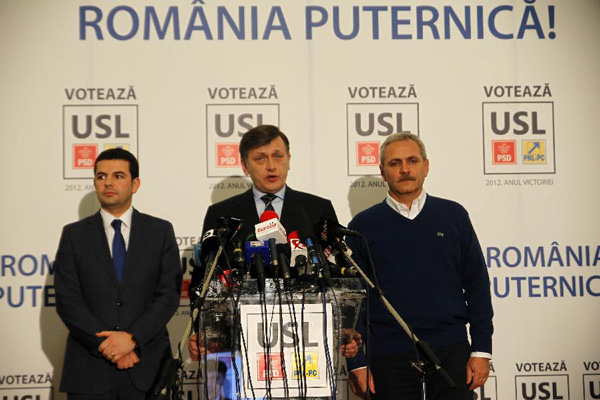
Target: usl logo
{"x": 591, "y": 386}
{"x": 225, "y": 125}
{"x": 542, "y": 387}
{"x": 89, "y": 128}
{"x": 518, "y": 138}
{"x": 504, "y": 151}
{"x": 368, "y": 153}
{"x": 369, "y": 124}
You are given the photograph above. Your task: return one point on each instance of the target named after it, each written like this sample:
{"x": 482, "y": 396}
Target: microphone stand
{"x": 169, "y": 377}
{"x": 421, "y": 345}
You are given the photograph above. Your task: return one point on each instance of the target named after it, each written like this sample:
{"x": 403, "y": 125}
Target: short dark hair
{"x": 118, "y": 153}
{"x": 261, "y": 136}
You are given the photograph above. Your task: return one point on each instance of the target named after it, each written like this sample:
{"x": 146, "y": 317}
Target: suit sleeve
{"x": 166, "y": 294}
{"x": 70, "y": 305}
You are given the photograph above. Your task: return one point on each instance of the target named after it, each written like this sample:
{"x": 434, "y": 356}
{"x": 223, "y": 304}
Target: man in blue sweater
{"x": 430, "y": 267}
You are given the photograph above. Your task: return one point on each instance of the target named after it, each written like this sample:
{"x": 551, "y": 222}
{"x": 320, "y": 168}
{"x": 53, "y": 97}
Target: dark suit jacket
{"x": 243, "y": 206}
{"x": 89, "y": 299}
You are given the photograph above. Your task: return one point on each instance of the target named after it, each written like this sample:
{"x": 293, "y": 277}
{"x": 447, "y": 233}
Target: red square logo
{"x": 185, "y": 289}
{"x": 228, "y": 155}
{"x": 273, "y": 371}
{"x": 504, "y": 151}
{"x": 367, "y": 153}
{"x": 84, "y": 156}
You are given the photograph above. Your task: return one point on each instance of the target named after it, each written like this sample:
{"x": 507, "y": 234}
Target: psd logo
{"x": 367, "y": 153}
{"x": 534, "y": 152}
{"x": 542, "y": 387}
{"x": 372, "y": 123}
{"x": 89, "y": 128}
{"x": 271, "y": 370}
{"x": 228, "y": 155}
{"x": 225, "y": 125}
{"x": 530, "y": 125}
{"x": 591, "y": 386}
{"x": 504, "y": 151}
{"x": 84, "y": 156}
{"x": 489, "y": 391}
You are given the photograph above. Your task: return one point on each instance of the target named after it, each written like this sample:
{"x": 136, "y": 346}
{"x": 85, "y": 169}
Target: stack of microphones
{"x": 311, "y": 252}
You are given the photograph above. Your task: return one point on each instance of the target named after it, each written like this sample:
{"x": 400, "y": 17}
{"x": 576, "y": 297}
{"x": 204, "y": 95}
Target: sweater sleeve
{"x": 476, "y": 285}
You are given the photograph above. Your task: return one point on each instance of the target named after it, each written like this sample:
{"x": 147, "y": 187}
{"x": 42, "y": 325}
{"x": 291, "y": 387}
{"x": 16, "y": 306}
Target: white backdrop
{"x": 164, "y": 79}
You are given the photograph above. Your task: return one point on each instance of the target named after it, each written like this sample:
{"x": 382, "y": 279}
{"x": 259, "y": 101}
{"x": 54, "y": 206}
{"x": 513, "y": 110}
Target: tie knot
{"x": 116, "y": 223}
{"x": 268, "y": 198}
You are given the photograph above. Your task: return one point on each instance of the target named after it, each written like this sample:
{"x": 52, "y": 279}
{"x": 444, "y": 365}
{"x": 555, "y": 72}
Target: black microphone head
{"x": 304, "y": 229}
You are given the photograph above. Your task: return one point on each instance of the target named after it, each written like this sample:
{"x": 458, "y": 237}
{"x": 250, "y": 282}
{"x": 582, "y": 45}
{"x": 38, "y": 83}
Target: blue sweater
{"x": 431, "y": 269}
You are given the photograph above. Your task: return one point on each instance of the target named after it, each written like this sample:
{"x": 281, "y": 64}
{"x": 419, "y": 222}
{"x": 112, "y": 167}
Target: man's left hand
{"x": 350, "y": 349}
{"x": 117, "y": 345}
{"x": 478, "y": 369}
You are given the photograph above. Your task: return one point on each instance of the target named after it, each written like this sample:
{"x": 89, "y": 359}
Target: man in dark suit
{"x": 265, "y": 157}
{"x": 118, "y": 282}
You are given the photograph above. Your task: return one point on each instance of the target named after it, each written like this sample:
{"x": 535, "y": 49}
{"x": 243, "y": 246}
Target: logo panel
{"x": 540, "y": 387}
{"x": 225, "y": 125}
{"x": 489, "y": 391}
{"x": 530, "y": 125}
{"x": 369, "y": 124}
{"x": 89, "y": 128}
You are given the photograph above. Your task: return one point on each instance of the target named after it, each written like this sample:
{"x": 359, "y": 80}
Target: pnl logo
{"x": 542, "y": 387}
{"x": 534, "y": 152}
{"x": 367, "y": 153}
{"x": 228, "y": 155}
{"x": 90, "y": 129}
{"x": 504, "y": 151}
{"x": 530, "y": 127}
{"x": 368, "y": 125}
{"x": 225, "y": 126}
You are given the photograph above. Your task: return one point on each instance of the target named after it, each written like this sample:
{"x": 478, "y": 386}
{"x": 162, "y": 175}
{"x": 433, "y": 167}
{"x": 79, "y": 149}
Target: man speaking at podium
{"x": 265, "y": 157}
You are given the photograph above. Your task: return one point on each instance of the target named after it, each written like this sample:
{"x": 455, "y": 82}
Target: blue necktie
{"x": 118, "y": 249}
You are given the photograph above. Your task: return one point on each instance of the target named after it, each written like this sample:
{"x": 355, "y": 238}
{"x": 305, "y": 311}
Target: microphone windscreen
{"x": 267, "y": 215}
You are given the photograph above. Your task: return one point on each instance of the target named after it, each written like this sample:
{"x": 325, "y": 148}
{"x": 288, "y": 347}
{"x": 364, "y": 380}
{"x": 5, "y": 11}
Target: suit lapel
{"x": 290, "y": 202}
{"x": 248, "y": 209}
{"x": 134, "y": 249}
{"x": 99, "y": 243}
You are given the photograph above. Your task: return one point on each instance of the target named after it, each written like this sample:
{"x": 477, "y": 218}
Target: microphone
{"x": 257, "y": 260}
{"x": 270, "y": 228}
{"x": 282, "y": 251}
{"x": 257, "y": 246}
{"x": 238, "y": 257}
{"x": 306, "y": 234}
{"x": 329, "y": 230}
{"x": 297, "y": 248}
{"x": 343, "y": 271}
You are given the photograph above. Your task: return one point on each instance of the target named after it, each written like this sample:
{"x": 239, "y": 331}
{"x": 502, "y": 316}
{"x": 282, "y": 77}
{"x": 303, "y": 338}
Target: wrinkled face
{"x": 404, "y": 170}
{"x": 114, "y": 186}
{"x": 268, "y": 166}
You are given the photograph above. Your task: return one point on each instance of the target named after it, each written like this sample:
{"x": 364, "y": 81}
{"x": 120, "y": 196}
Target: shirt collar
{"x": 125, "y": 218}
{"x": 415, "y": 207}
{"x": 258, "y": 194}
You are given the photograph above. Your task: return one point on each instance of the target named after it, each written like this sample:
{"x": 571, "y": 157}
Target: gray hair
{"x": 399, "y": 137}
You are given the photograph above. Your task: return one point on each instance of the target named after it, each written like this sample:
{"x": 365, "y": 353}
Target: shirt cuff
{"x": 481, "y": 354}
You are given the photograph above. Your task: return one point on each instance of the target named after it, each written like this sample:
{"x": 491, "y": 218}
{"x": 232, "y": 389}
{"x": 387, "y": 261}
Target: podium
{"x": 277, "y": 344}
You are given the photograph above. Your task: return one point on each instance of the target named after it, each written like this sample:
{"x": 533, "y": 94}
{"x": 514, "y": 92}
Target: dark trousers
{"x": 122, "y": 389}
{"x": 395, "y": 379}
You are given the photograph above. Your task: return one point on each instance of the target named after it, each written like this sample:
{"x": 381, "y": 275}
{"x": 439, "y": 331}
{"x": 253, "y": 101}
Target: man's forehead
{"x": 112, "y": 166}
